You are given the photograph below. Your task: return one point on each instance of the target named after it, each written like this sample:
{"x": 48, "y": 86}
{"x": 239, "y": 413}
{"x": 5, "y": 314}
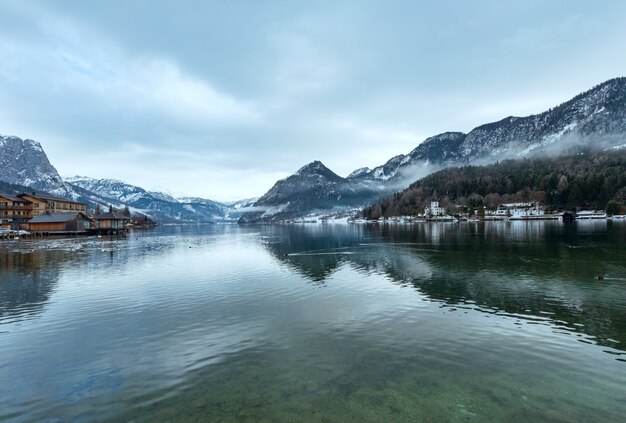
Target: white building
{"x": 435, "y": 210}
{"x": 517, "y": 210}
{"x": 590, "y": 214}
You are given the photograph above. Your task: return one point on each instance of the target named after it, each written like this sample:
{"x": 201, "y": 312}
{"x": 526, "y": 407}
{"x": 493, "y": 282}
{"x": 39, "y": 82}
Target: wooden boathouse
{"x": 66, "y": 223}
{"x": 111, "y": 222}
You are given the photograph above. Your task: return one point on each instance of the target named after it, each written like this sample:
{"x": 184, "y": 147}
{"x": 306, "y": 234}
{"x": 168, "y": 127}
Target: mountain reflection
{"x": 314, "y": 251}
{"x": 527, "y": 270}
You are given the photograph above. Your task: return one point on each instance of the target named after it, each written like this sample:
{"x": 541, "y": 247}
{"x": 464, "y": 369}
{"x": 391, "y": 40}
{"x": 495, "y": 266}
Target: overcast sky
{"x": 221, "y": 98}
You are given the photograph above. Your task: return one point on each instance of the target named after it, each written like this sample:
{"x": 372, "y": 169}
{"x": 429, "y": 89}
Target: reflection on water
{"x": 437, "y": 322}
{"x": 542, "y": 269}
{"x": 27, "y": 280}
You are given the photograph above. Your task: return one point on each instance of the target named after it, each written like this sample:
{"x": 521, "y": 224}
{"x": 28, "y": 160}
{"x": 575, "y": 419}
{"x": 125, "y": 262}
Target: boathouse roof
{"x": 112, "y": 216}
{"x": 56, "y": 217}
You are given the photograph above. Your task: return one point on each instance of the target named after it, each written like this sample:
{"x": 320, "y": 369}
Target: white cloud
{"x": 220, "y": 101}
{"x": 159, "y": 86}
{"x": 66, "y": 58}
{"x": 302, "y": 66}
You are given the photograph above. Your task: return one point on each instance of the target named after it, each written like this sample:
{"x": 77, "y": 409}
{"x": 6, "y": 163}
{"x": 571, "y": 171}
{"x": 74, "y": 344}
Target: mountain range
{"x": 593, "y": 120}
{"x": 25, "y": 167}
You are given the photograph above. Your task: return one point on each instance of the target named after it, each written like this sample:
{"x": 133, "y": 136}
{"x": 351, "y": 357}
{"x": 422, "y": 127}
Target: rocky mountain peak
{"x": 315, "y": 168}
{"x": 23, "y": 161}
{"x": 438, "y": 147}
{"x": 359, "y": 172}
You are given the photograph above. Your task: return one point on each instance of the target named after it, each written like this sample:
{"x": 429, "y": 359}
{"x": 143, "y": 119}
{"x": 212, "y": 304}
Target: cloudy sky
{"x": 222, "y": 98}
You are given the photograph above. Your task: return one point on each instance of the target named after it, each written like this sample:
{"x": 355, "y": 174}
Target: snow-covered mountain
{"x": 24, "y": 162}
{"x": 25, "y": 166}
{"x": 199, "y": 200}
{"x": 163, "y": 196}
{"x": 313, "y": 187}
{"x": 235, "y": 209}
{"x": 595, "y": 119}
{"x": 161, "y": 206}
{"x": 231, "y": 211}
{"x": 241, "y": 204}
{"x": 111, "y": 188}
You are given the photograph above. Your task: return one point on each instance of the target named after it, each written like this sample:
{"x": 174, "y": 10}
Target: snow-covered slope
{"x": 241, "y": 204}
{"x": 593, "y": 119}
{"x": 111, "y": 188}
{"x": 161, "y": 206}
{"x": 24, "y": 162}
{"x": 163, "y": 196}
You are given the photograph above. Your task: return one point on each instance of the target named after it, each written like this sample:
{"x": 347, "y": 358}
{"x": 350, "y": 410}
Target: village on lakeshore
{"x": 435, "y": 212}
{"x": 42, "y": 214}
{"x": 505, "y": 212}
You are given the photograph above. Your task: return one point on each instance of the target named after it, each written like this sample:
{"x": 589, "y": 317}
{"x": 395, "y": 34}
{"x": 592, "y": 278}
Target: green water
{"x": 327, "y": 323}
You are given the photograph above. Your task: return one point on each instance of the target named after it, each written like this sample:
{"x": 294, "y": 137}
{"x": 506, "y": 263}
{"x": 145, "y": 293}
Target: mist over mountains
{"x": 593, "y": 120}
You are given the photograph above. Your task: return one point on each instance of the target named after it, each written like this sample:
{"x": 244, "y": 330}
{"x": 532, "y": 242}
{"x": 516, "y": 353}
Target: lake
{"x": 452, "y": 322}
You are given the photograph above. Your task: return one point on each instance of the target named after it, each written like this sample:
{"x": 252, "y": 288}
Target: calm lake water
{"x": 339, "y": 323}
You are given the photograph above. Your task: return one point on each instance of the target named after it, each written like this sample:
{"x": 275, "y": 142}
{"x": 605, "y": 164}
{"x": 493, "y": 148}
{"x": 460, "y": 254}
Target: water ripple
{"x": 273, "y": 322}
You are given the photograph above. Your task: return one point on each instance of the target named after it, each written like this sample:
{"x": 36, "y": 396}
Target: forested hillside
{"x": 586, "y": 180}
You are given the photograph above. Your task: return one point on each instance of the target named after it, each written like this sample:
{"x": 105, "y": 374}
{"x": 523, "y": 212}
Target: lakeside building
{"x": 519, "y": 210}
{"x": 43, "y": 214}
{"x": 46, "y": 203}
{"x": 435, "y": 210}
{"x": 111, "y": 222}
{"x": 13, "y": 211}
{"x": 591, "y": 214}
{"x": 17, "y": 211}
{"x": 60, "y": 222}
